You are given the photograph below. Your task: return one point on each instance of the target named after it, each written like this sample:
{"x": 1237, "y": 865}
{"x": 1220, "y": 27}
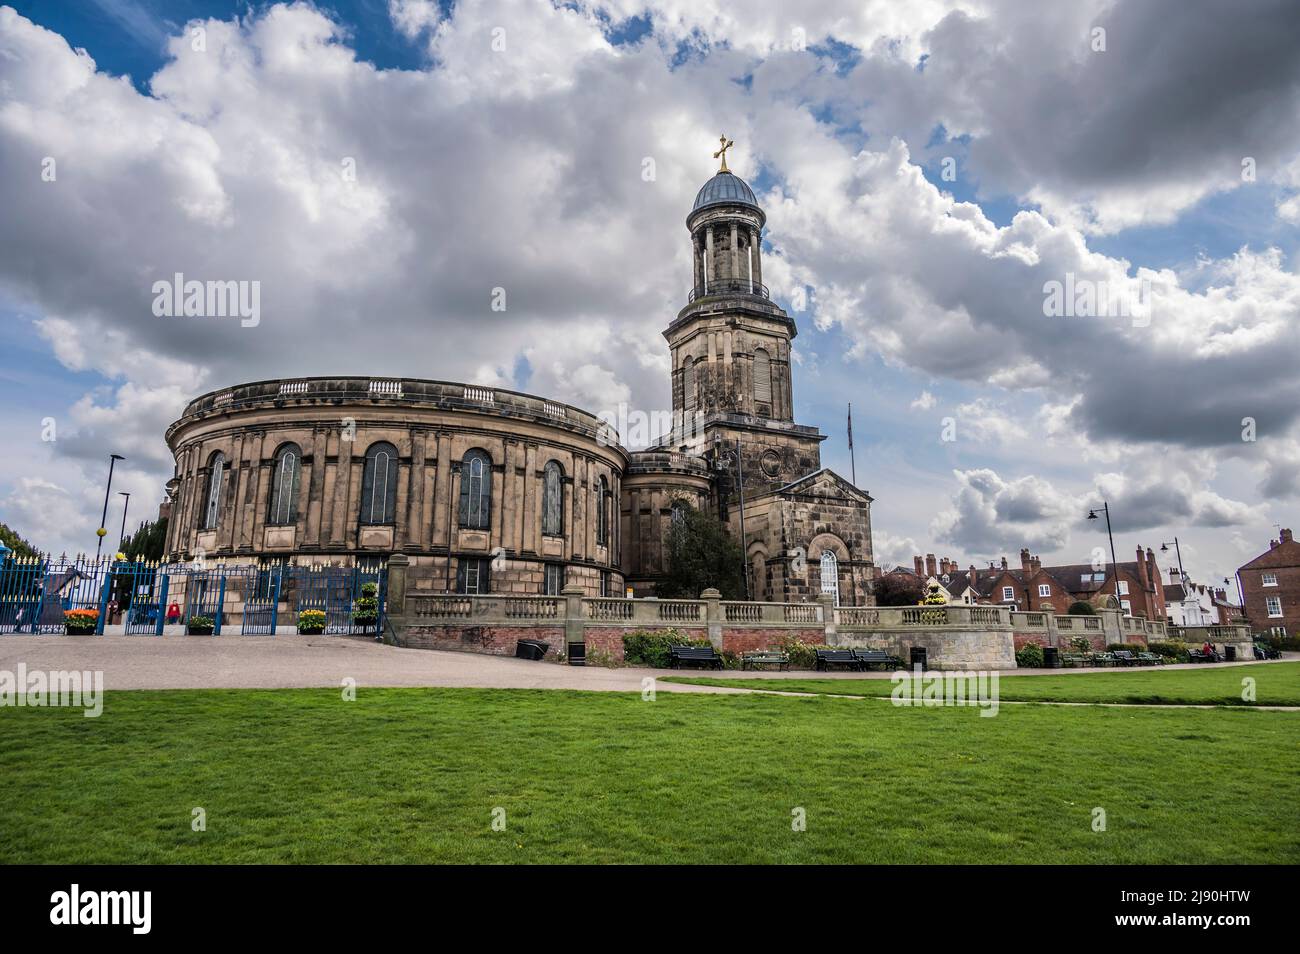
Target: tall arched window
{"x": 688, "y": 386}
{"x": 379, "y": 484}
{"x": 284, "y": 485}
{"x": 762, "y": 377}
{"x": 476, "y": 490}
{"x": 831, "y": 575}
{"x": 553, "y": 499}
{"x": 678, "y": 513}
{"x": 212, "y": 506}
{"x": 602, "y": 511}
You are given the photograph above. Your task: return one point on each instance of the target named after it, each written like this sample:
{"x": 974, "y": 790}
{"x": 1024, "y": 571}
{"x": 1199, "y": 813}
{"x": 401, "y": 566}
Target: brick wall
{"x": 736, "y": 640}
{"x": 492, "y": 640}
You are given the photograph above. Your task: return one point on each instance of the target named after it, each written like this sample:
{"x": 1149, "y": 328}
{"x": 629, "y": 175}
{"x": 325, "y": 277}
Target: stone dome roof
{"x": 725, "y": 188}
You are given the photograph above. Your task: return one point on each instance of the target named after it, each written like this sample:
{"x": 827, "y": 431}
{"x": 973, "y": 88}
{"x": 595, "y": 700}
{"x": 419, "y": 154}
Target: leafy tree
{"x": 701, "y": 554}
{"x": 148, "y": 542}
{"x": 898, "y": 589}
{"x": 10, "y": 538}
{"x": 1081, "y": 608}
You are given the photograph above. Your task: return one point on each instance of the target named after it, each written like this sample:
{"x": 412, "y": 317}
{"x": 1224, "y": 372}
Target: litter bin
{"x": 1230, "y": 653}
{"x": 530, "y": 649}
{"x": 1049, "y": 657}
{"x": 918, "y": 658}
{"x": 577, "y": 654}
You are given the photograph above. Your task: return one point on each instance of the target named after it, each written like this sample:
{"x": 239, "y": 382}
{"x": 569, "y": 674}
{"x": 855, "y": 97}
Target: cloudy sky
{"x": 928, "y": 169}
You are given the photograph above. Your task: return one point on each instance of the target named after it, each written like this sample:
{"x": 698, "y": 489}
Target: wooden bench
{"x": 765, "y": 658}
{"x": 700, "y": 655}
{"x": 1072, "y": 660}
{"x": 1104, "y": 660}
{"x": 1199, "y": 656}
{"x": 1150, "y": 659}
{"x": 838, "y": 657}
{"x": 872, "y": 657}
{"x": 1124, "y": 657}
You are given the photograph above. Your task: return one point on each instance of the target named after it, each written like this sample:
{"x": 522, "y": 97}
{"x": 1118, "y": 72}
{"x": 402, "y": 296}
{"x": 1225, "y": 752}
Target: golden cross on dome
{"x": 722, "y": 153}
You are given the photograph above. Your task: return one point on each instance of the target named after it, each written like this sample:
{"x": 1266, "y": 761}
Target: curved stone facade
{"x": 483, "y": 489}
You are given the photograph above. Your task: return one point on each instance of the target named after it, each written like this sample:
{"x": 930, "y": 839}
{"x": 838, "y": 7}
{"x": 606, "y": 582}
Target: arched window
{"x": 379, "y": 484}
{"x": 762, "y": 377}
{"x": 284, "y": 484}
{"x": 476, "y": 490}
{"x": 688, "y": 386}
{"x": 602, "y": 512}
{"x": 212, "y": 506}
{"x": 831, "y": 575}
{"x": 679, "y": 509}
{"x": 553, "y": 499}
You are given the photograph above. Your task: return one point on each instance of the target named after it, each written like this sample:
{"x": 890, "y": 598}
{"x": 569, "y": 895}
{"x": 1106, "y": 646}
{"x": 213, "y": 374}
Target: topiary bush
{"x": 1169, "y": 650}
{"x": 1081, "y": 608}
{"x": 646, "y": 648}
{"x": 1030, "y": 656}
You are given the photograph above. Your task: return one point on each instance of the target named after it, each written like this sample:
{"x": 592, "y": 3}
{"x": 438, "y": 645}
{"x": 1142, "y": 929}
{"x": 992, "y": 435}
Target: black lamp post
{"x": 1114, "y": 564}
{"x": 101, "y": 532}
{"x": 1164, "y": 548}
{"x": 125, "y": 506}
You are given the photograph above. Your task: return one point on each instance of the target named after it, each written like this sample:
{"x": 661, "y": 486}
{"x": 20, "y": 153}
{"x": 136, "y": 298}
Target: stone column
{"x": 755, "y": 258}
{"x": 574, "y": 623}
{"x": 697, "y": 266}
{"x": 827, "y": 602}
{"x": 395, "y": 597}
{"x": 713, "y": 616}
{"x": 342, "y": 480}
{"x": 735, "y": 251}
{"x": 710, "y": 269}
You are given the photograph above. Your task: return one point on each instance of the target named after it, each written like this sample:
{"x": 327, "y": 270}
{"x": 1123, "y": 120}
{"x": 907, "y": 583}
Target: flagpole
{"x": 853, "y": 460}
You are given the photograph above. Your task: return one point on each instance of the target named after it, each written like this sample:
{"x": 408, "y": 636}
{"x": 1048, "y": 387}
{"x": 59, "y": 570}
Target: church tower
{"x": 730, "y": 347}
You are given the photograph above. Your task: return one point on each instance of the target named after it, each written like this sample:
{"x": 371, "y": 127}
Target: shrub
{"x": 802, "y": 655}
{"x": 1169, "y": 650}
{"x": 1081, "y": 608}
{"x": 1030, "y": 656}
{"x": 365, "y": 608}
{"x": 1081, "y": 644}
{"x": 199, "y": 624}
{"x": 646, "y": 648}
{"x": 311, "y": 621}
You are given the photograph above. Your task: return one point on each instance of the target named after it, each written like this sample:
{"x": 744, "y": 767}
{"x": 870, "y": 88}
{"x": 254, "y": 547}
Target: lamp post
{"x": 1092, "y": 515}
{"x": 1164, "y": 548}
{"x": 101, "y": 532}
{"x": 125, "y": 506}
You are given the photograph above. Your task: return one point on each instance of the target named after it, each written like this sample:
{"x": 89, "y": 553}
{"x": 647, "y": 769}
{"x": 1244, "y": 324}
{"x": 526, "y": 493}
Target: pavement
{"x": 293, "y": 661}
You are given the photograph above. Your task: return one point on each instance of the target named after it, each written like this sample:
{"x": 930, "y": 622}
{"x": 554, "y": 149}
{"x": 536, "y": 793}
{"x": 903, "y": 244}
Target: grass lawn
{"x": 413, "y": 775}
{"x": 1277, "y": 684}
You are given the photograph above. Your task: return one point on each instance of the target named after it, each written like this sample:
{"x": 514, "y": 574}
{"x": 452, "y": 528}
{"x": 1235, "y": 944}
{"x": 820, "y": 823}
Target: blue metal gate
{"x": 261, "y": 600}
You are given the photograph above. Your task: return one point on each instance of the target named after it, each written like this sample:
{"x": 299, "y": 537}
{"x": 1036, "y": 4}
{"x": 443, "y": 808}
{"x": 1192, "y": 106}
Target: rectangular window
{"x": 1127, "y": 606}
{"x": 1269, "y": 579}
{"x": 472, "y": 576}
{"x": 604, "y": 583}
{"x": 1044, "y": 589}
{"x": 1123, "y": 588}
{"x": 554, "y": 579}
{"x": 1008, "y": 593}
{"x": 1274, "y": 605}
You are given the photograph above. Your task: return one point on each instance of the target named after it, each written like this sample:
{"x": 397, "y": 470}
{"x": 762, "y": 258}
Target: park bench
{"x": 838, "y": 657}
{"x": 765, "y": 658}
{"x": 700, "y": 655}
{"x": 1124, "y": 657}
{"x": 873, "y": 657}
{"x": 1150, "y": 659}
{"x": 1104, "y": 660}
{"x": 1200, "y": 656}
{"x": 1073, "y": 660}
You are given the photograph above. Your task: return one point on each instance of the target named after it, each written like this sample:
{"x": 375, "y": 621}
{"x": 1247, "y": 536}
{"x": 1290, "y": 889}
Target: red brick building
{"x": 1270, "y": 586}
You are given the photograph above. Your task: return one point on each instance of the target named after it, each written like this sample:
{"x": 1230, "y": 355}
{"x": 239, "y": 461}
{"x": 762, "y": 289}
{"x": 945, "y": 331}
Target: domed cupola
{"x": 726, "y": 226}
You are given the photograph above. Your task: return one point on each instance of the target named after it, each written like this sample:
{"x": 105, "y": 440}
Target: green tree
{"x": 148, "y": 542}
{"x": 898, "y": 589}
{"x": 701, "y": 554}
{"x": 10, "y": 538}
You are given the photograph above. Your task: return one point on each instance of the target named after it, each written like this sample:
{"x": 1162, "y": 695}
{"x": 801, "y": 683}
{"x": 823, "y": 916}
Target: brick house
{"x": 1270, "y": 586}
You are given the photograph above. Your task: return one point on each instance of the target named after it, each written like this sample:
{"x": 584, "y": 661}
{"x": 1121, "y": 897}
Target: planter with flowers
{"x": 365, "y": 609}
{"x": 311, "y": 622}
{"x": 199, "y": 626}
{"x": 80, "y": 622}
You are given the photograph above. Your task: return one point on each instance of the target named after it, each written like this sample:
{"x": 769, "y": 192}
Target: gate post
{"x": 575, "y": 624}
{"x": 827, "y": 602}
{"x": 221, "y": 604}
{"x": 104, "y": 594}
{"x": 275, "y": 598}
{"x": 162, "y": 605}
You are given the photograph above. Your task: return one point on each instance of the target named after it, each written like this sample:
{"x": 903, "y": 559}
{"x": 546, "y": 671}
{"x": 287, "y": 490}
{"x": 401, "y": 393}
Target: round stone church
{"x": 493, "y": 491}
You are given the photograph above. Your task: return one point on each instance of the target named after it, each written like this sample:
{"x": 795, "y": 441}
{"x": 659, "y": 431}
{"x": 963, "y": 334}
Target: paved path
{"x": 293, "y": 661}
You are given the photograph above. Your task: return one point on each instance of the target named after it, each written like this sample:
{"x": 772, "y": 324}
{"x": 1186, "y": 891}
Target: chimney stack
{"x": 930, "y": 567}
{"x": 1285, "y": 536}
{"x": 1026, "y": 564}
{"x": 1004, "y": 563}
{"x": 1143, "y": 580}
{"x": 919, "y": 565}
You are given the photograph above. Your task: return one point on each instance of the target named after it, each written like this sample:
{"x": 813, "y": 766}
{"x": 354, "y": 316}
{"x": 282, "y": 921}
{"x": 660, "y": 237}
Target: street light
{"x": 101, "y": 532}
{"x": 1114, "y": 564}
{"x": 125, "y": 505}
{"x": 1164, "y": 548}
